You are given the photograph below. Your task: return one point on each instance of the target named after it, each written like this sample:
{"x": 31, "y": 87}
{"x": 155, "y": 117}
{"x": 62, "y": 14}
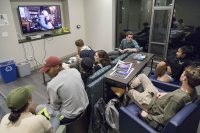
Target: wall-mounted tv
{"x": 39, "y": 18}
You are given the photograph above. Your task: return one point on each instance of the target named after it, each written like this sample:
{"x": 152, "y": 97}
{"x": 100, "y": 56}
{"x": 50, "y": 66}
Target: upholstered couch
{"x": 97, "y": 74}
{"x": 185, "y": 121}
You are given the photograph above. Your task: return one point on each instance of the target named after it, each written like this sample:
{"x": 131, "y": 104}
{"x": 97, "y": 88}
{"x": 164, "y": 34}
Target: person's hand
{"x": 144, "y": 113}
{"x": 125, "y": 50}
{"x": 159, "y": 95}
{"x": 121, "y": 51}
{"x": 169, "y": 71}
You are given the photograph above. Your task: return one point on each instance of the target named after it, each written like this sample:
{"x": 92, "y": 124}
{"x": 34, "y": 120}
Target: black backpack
{"x": 99, "y": 121}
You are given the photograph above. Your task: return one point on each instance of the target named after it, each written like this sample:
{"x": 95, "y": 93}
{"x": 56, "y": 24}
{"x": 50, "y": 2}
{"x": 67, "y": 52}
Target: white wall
{"x": 97, "y": 20}
{"x": 59, "y": 46}
{"x": 100, "y": 24}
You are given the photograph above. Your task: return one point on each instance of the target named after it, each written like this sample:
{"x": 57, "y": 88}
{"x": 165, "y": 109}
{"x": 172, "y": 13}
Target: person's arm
{"x": 54, "y": 99}
{"x": 170, "y": 109}
{"x": 121, "y": 47}
{"x": 141, "y": 32}
{"x": 136, "y": 47}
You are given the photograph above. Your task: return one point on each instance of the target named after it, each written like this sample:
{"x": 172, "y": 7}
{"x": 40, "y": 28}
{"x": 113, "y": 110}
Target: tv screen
{"x": 39, "y": 18}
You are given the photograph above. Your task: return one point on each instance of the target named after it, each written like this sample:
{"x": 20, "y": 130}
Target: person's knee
{"x": 142, "y": 75}
{"x": 161, "y": 64}
{"x": 164, "y": 79}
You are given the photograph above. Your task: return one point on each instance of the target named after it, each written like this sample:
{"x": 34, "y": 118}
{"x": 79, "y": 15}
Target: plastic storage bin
{"x": 24, "y": 69}
{"x": 8, "y": 71}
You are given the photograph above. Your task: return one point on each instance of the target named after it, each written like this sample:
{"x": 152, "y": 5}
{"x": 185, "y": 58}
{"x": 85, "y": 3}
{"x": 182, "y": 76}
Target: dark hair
{"x": 79, "y": 43}
{"x": 145, "y": 24}
{"x": 129, "y": 33}
{"x": 104, "y": 58}
{"x": 197, "y": 29}
{"x": 87, "y": 64}
{"x": 187, "y": 50}
{"x": 15, "y": 114}
{"x": 180, "y": 21}
{"x": 193, "y": 75}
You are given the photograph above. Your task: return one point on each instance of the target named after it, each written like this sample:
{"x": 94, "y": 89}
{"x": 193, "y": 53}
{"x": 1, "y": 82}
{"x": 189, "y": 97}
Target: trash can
{"x": 8, "y": 71}
{"x": 24, "y": 69}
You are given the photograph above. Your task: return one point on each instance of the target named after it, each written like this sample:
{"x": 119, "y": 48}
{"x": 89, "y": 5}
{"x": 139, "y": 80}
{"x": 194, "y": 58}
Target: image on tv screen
{"x": 39, "y": 18}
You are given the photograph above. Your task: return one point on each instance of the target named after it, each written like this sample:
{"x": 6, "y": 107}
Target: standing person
{"x": 159, "y": 107}
{"x": 101, "y": 60}
{"x": 21, "y": 120}
{"x": 171, "y": 69}
{"x": 83, "y": 50}
{"x": 67, "y": 96}
{"x": 127, "y": 45}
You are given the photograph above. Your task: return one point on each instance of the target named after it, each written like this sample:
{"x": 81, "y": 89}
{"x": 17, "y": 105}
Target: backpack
{"x": 99, "y": 124}
{"x": 112, "y": 114}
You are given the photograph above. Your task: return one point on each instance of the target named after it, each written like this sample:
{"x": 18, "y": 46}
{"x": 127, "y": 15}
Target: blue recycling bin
{"x": 8, "y": 71}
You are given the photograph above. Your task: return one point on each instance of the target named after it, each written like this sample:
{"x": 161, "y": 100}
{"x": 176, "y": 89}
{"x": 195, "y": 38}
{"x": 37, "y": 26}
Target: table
{"x": 138, "y": 67}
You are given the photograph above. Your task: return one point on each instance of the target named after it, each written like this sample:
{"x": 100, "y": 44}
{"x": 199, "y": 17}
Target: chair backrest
{"x": 95, "y": 91}
{"x": 97, "y": 74}
{"x": 164, "y": 86}
{"x": 121, "y": 57}
{"x": 186, "y": 120}
{"x": 3, "y": 106}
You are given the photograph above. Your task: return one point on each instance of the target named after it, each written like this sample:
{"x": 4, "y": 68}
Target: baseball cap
{"x": 18, "y": 97}
{"x": 50, "y": 62}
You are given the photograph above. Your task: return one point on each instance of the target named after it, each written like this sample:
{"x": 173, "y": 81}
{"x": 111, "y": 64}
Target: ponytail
{"x": 15, "y": 114}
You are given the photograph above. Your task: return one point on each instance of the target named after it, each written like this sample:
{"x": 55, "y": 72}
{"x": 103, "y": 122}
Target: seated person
{"x": 171, "y": 69}
{"x": 84, "y": 66}
{"x": 21, "y": 120}
{"x": 181, "y": 25}
{"x": 145, "y": 31}
{"x": 127, "y": 45}
{"x": 142, "y": 37}
{"x": 194, "y": 40}
{"x": 68, "y": 99}
{"x": 159, "y": 107}
{"x": 101, "y": 60}
{"x": 174, "y": 24}
{"x": 84, "y": 51}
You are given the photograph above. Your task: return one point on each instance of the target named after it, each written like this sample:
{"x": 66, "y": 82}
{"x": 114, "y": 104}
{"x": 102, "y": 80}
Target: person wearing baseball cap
{"x": 67, "y": 96}
{"x": 20, "y": 120}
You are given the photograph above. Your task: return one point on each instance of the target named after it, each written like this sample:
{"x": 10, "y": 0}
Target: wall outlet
{"x": 31, "y": 58}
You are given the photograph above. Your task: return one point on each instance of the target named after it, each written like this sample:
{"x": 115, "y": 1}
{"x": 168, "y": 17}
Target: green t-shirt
{"x": 160, "y": 110}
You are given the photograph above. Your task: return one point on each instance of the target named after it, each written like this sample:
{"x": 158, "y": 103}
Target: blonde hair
{"x": 193, "y": 75}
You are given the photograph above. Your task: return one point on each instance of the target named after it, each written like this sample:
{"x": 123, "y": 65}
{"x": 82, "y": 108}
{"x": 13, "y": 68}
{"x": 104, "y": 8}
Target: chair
{"x": 163, "y": 85}
{"x": 3, "y": 106}
{"x": 95, "y": 91}
{"x": 97, "y": 74}
{"x": 61, "y": 129}
{"x": 80, "y": 125}
{"x": 184, "y": 121}
{"x": 121, "y": 57}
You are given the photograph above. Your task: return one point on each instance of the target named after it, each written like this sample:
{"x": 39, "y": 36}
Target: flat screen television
{"x": 36, "y": 18}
